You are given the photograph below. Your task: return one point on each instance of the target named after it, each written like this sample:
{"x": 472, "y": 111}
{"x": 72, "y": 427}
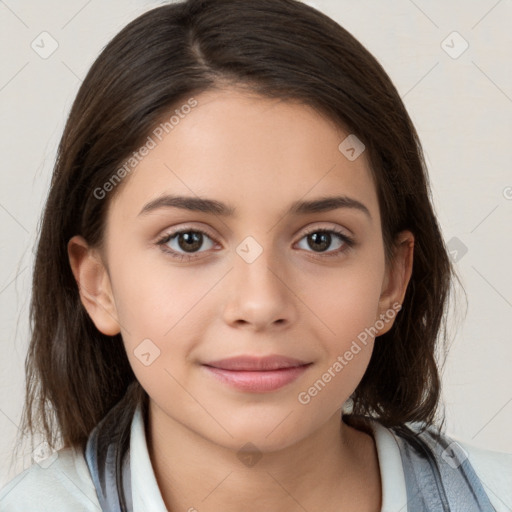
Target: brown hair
{"x": 277, "y": 48}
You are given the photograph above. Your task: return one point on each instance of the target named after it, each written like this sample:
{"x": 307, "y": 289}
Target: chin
{"x": 270, "y": 434}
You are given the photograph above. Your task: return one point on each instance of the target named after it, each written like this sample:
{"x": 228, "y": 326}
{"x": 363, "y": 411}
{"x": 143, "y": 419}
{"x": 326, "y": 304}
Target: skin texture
{"x": 257, "y": 155}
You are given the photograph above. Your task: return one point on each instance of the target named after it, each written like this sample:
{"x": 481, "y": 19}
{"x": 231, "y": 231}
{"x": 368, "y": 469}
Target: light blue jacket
{"x": 419, "y": 473}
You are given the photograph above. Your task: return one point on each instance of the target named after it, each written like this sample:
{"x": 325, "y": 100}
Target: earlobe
{"x": 397, "y": 278}
{"x": 94, "y": 285}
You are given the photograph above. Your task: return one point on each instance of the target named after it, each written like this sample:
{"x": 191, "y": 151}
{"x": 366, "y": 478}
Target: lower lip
{"x": 258, "y": 381}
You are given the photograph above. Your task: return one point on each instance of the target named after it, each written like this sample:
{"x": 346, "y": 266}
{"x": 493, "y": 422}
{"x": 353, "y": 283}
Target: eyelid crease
{"x": 308, "y": 230}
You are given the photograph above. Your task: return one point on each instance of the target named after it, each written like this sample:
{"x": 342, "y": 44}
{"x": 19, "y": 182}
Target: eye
{"x": 188, "y": 240}
{"x": 184, "y": 244}
{"x": 322, "y": 238}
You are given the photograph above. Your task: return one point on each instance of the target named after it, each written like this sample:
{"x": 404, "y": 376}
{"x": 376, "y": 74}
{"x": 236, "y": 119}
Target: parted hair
{"x": 280, "y": 49}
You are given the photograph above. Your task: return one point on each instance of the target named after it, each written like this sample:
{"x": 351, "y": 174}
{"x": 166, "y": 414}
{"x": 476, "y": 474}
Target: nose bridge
{"x": 259, "y": 294}
{"x": 256, "y": 263}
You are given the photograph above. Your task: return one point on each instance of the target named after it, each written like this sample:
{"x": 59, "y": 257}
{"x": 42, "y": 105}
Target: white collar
{"x": 147, "y": 497}
{"x": 394, "y": 493}
{"x": 146, "y": 494}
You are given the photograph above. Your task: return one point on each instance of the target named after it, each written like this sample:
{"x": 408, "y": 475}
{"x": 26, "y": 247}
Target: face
{"x": 249, "y": 275}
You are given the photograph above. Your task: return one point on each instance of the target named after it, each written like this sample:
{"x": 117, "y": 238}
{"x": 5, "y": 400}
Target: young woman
{"x": 240, "y": 283}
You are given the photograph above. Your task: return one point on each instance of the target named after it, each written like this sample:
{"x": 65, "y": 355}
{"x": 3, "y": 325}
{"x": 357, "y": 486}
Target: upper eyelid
{"x": 336, "y": 229}
{"x": 332, "y": 227}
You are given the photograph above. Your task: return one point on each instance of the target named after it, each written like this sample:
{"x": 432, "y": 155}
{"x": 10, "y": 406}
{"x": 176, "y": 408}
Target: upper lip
{"x": 254, "y": 363}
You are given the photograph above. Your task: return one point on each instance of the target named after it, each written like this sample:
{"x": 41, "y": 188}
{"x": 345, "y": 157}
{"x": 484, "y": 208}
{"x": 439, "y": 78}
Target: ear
{"x": 396, "y": 279}
{"x": 94, "y": 285}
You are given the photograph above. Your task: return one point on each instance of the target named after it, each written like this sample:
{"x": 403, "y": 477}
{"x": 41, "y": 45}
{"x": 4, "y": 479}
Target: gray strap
{"x": 107, "y": 454}
{"x": 438, "y": 475}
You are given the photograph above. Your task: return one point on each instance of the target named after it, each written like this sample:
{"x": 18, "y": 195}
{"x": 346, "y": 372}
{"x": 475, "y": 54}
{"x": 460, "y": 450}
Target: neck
{"x": 335, "y": 468}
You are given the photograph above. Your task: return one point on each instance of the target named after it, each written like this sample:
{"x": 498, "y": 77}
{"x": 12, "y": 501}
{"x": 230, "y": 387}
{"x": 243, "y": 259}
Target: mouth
{"x": 257, "y": 374}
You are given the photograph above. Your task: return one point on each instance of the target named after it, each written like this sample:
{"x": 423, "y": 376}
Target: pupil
{"x": 192, "y": 240}
{"x": 323, "y": 239}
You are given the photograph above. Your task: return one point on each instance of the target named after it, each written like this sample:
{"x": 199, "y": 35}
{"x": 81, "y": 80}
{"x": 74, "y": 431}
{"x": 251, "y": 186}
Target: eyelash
{"x": 348, "y": 242}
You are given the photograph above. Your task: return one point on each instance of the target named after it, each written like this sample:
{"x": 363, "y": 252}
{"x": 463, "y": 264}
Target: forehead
{"x": 250, "y": 152}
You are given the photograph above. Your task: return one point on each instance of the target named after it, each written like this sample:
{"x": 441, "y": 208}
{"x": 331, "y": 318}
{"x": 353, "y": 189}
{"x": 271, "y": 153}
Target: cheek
{"x": 160, "y": 311}
{"x": 345, "y": 300}
{"x": 163, "y": 310}
{"x": 156, "y": 300}
{"x": 345, "y": 303}
{"x": 348, "y": 313}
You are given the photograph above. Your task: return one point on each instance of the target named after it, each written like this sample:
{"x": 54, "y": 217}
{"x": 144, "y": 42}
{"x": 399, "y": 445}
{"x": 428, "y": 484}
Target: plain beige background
{"x": 458, "y": 91}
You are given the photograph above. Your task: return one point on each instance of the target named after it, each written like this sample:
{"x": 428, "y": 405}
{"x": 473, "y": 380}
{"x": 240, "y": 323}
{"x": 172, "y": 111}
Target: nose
{"x": 260, "y": 292}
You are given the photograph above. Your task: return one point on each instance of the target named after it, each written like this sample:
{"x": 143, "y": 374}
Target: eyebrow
{"x": 204, "y": 205}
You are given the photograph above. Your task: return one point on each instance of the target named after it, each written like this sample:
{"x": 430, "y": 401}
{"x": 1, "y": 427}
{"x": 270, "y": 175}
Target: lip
{"x": 257, "y": 374}
{"x": 255, "y": 363}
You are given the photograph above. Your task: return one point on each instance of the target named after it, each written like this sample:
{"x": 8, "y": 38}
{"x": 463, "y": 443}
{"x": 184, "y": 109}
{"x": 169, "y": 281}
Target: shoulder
{"x": 58, "y": 484}
{"x": 494, "y": 469}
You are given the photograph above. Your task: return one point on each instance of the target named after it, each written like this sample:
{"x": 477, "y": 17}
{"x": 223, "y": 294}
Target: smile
{"x": 257, "y": 375}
